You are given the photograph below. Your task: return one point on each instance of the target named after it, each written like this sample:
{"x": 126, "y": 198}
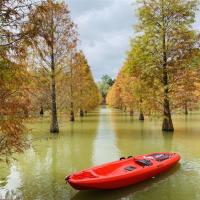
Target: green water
{"x": 104, "y": 135}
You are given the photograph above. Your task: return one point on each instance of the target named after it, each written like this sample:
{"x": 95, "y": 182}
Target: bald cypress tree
{"x": 53, "y": 38}
{"x": 166, "y": 29}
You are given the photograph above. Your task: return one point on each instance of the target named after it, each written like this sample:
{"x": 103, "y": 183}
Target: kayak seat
{"x": 144, "y": 162}
{"x": 160, "y": 157}
{"x": 129, "y": 168}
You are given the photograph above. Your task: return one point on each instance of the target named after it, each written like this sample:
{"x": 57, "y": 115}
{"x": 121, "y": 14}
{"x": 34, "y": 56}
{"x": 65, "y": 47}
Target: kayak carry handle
{"x": 67, "y": 178}
{"x": 122, "y": 158}
{"x": 129, "y": 156}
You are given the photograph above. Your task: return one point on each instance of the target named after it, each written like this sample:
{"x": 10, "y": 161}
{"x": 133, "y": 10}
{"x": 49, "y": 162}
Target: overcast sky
{"x": 105, "y": 28}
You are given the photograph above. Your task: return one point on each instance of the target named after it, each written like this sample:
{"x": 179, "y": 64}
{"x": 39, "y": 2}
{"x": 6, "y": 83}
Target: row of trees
{"x": 41, "y": 68}
{"x": 53, "y": 46}
{"x": 161, "y": 72}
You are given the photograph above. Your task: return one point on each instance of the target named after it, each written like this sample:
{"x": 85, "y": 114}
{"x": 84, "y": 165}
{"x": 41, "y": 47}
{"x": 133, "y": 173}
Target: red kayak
{"x": 123, "y": 172}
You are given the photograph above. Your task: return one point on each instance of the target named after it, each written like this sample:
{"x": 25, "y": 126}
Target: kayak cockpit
{"x": 106, "y": 171}
{"x": 109, "y": 169}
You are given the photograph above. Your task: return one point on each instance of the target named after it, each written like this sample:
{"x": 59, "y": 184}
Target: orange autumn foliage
{"x": 14, "y": 104}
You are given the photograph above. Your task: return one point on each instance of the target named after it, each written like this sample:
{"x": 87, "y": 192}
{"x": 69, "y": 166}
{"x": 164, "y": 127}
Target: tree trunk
{"x": 141, "y": 116}
{"x": 72, "y": 118}
{"x": 41, "y": 111}
{"x": 131, "y": 112}
{"x": 85, "y": 112}
{"x": 167, "y": 120}
{"x": 81, "y": 113}
{"x": 54, "y": 122}
{"x": 186, "y": 109}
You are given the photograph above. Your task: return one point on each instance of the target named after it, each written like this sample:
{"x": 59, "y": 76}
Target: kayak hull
{"x": 121, "y": 173}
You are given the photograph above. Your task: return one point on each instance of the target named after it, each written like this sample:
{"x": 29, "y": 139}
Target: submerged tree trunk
{"x": 186, "y": 109}
{"x": 131, "y": 112}
{"x": 54, "y": 122}
{"x": 81, "y": 113}
{"x": 41, "y": 111}
{"x": 167, "y": 120}
{"x": 141, "y": 116}
{"x": 72, "y": 119}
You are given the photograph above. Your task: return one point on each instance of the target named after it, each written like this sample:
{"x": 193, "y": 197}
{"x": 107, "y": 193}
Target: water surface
{"x": 104, "y": 135}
